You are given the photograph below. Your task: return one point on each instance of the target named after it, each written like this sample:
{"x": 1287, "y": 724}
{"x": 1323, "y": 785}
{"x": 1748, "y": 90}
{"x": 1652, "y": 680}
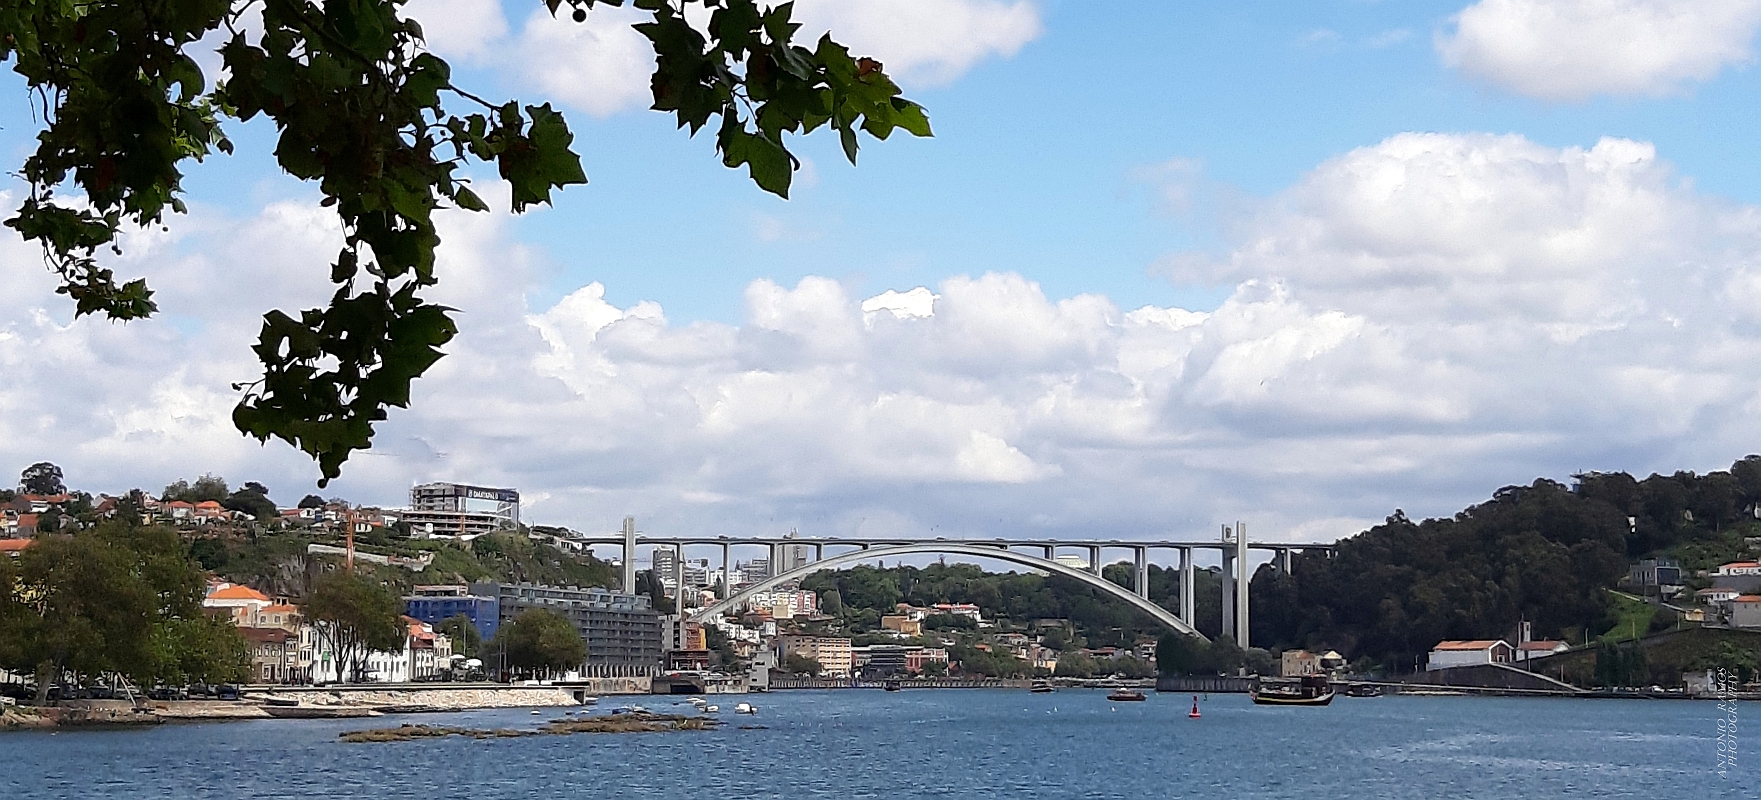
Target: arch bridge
{"x": 1138, "y": 600}
{"x": 792, "y": 558}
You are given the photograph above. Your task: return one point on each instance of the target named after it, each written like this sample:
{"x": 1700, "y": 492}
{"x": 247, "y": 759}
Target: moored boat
{"x": 1042, "y": 686}
{"x": 1310, "y": 690}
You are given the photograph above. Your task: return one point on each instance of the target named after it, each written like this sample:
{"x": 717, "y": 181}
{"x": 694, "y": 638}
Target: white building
{"x": 424, "y": 654}
{"x": 1469, "y": 652}
{"x": 785, "y": 603}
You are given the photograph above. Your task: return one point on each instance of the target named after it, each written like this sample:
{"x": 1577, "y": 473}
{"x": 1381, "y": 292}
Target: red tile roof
{"x": 236, "y": 592}
{"x": 1467, "y": 644}
{"x": 14, "y": 545}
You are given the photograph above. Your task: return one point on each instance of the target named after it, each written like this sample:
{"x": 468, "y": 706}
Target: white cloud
{"x": 600, "y": 66}
{"x": 469, "y": 30}
{"x": 1573, "y": 49}
{"x": 923, "y": 42}
{"x": 1414, "y": 324}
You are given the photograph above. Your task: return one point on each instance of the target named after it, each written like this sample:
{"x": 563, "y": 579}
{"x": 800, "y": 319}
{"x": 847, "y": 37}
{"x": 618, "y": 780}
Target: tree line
{"x": 1545, "y": 553}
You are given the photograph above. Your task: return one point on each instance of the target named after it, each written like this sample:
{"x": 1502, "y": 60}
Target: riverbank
{"x": 288, "y": 703}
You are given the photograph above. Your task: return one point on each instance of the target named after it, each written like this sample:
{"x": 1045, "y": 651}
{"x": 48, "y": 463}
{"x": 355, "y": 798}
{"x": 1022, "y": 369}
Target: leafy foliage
{"x": 362, "y": 110}
{"x": 1546, "y": 553}
{"x": 115, "y": 598}
{"x": 207, "y": 487}
{"x": 466, "y": 640}
{"x": 41, "y": 478}
{"x": 354, "y": 617}
{"x": 540, "y": 641}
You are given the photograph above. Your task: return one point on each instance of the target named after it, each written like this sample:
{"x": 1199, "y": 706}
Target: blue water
{"x": 936, "y": 744}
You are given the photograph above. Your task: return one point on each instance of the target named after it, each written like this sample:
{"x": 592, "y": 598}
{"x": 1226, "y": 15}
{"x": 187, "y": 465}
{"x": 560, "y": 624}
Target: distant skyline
{"x": 1163, "y": 266}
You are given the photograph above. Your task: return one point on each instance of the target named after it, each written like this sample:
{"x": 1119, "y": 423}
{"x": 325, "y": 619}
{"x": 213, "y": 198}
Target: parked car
{"x": 226, "y": 692}
{"x": 168, "y": 693}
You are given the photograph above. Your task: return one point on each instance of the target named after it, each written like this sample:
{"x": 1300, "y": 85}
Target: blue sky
{"x": 1330, "y": 258}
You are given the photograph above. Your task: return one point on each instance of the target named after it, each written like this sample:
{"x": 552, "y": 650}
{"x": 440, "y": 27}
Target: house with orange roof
{"x": 208, "y": 511}
{"x": 1470, "y": 652}
{"x": 179, "y": 510}
{"x": 14, "y": 547}
{"x": 1745, "y": 611}
{"x": 240, "y": 603}
{"x": 284, "y": 616}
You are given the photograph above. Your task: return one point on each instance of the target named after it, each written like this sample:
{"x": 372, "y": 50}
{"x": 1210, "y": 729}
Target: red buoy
{"x": 1194, "y": 714}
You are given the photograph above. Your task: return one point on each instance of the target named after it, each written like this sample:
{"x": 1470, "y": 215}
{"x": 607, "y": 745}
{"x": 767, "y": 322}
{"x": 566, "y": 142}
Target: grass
{"x": 1635, "y": 618}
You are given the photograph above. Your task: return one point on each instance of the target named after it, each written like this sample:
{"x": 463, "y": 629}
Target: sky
{"x": 1163, "y": 266}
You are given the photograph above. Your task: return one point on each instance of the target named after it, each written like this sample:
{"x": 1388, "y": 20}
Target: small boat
{"x": 1363, "y": 690}
{"x": 1042, "y": 687}
{"x": 711, "y": 709}
{"x": 1126, "y": 695}
{"x": 892, "y": 686}
{"x": 745, "y": 708}
{"x": 1310, "y": 690}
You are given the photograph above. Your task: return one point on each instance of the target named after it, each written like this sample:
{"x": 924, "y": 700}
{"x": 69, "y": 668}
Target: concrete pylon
{"x": 1227, "y": 577}
{"x": 1243, "y": 579}
{"x": 1187, "y": 595}
{"x": 1142, "y": 580}
{"x": 629, "y": 555}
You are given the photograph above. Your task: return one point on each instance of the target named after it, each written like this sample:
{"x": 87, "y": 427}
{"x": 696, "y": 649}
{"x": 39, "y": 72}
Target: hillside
{"x": 1545, "y": 553}
{"x": 278, "y": 563}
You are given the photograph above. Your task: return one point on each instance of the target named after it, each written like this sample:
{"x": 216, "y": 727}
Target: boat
{"x": 711, "y": 709}
{"x": 1363, "y": 690}
{"x": 1309, "y": 690}
{"x": 1126, "y": 695}
{"x": 1042, "y": 686}
{"x": 745, "y": 708}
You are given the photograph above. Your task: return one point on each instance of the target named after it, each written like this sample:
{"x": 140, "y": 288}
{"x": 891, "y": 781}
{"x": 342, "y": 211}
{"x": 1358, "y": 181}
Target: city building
{"x": 240, "y": 603}
{"x": 1744, "y": 576}
{"x": 456, "y": 510}
{"x": 1715, "y": 595}
{"x": 1538, "y": 648}
{"x": 1294, "y": 663}
{"x": 903, "y": 625}
{"x": 966, "y": 610}
{"x": 622, "y": 631}
{"x": 832, "y": 653}
{"x": 1745, "y": 611}
{"x": 1466, "y": 653}
{"x": 1654, "y": 573}
{"x": 879, "y": 660}
{"x": 434, "y": 604}
{"x": 274, "y": 653}
{"x": 785, "y": 603}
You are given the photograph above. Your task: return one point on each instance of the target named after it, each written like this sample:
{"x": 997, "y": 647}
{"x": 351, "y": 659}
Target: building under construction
{"x": 452, "y": 509}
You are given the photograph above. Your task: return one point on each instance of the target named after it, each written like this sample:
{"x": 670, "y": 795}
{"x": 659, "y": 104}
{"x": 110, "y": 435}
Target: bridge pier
{"x": 629, "y": 555}
{"x": 1186, "y": 592}
{"x": 727, "y": 573}
{"x": 1094, "y": 559}
{"x": 1227, "y": 577}
{"x": 1142, "y": 582}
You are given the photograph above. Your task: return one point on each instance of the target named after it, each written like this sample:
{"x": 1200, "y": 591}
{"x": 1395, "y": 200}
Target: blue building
{"x": 431, "y": 604}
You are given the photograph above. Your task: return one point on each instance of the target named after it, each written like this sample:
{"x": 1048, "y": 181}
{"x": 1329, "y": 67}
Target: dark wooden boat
{"x": 892, "y": 686}
{"x": 1309, "y": 690}
{"x": 1126, "y": 695}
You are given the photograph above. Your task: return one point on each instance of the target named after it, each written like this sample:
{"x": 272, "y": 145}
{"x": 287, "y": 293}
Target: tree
{"x": 797, "y": 664}
{"x": 466, "y": 640}
{"x": 109, "y": 599}
{"x": 1075, "y": 665}
{"x": 354, "y": 618}
{"x": 206, "y": 488}
{"x": 311, "y": 501}
{"x": 363, "y": 110}
{"x": 41, "y": 478}
{"x": 539, "y": 640}
{"x": 250, "y": 501}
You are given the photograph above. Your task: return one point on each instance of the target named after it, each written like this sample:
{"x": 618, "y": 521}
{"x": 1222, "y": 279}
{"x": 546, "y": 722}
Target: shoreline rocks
{"x": 614, "y": 723}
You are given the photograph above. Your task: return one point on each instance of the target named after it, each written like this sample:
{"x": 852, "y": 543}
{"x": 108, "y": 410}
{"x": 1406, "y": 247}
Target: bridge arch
{"x": 1161, "y": 615}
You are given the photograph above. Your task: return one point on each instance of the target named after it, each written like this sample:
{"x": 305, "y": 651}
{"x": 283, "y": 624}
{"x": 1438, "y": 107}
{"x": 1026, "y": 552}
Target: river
{"x": 936, "y": 744}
